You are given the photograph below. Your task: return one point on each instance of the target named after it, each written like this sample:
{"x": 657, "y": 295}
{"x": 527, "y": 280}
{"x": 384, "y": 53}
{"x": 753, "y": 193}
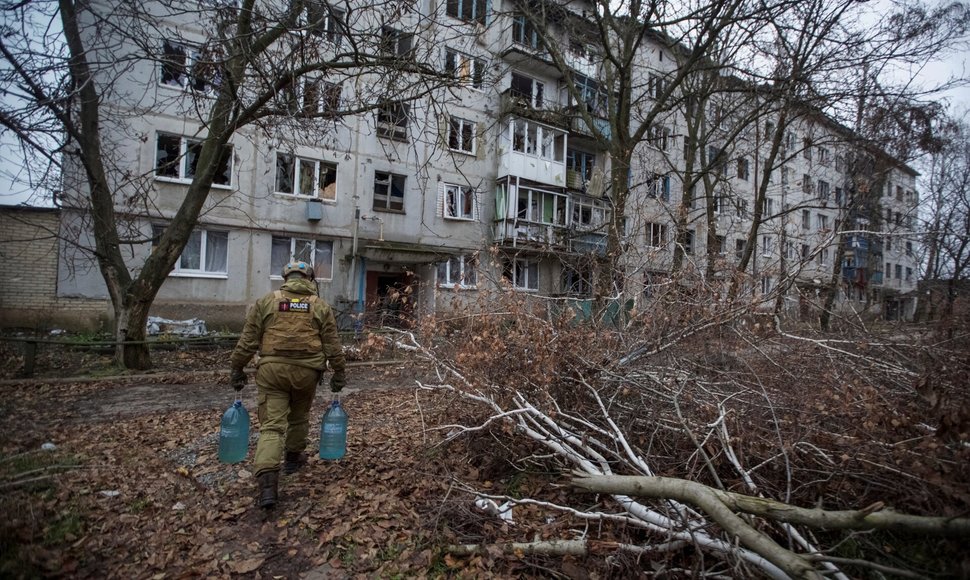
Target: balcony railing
{"x": 519, "y": 232}
{"x": 520, "y": 106}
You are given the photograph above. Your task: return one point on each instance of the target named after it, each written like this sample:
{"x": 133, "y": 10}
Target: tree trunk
{"x": 873, "y": 517}
{"x": 131, "y": 331}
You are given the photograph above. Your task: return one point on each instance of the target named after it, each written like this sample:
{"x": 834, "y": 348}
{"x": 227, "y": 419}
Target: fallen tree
{"x": 713, "y": 413}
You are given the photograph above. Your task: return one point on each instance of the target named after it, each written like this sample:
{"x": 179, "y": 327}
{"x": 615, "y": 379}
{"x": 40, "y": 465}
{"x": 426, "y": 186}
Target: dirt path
{"x": 123, "y": 397}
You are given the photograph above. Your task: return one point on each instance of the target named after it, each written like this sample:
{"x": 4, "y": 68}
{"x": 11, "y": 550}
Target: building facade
{"x": 418, "y": 206}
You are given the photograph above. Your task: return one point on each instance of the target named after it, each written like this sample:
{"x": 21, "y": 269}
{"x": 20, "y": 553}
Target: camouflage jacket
{"x": 296, "y": 309}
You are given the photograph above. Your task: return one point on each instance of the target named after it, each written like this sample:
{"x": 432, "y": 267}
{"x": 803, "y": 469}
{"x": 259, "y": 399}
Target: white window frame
{"x": 744, "y": 169}
{"x": 656, "y": 232}
{"x": 201, "y": 236}
{"x": 187, "y": 75}
{"x": 305, "y": 249}
{"x": 767, "y": 245}
{"x": 468, "y": 10}
{"x": 298, "y": 163}
{"x": 523, "y": 267}
{"x": 655, "y": 85}
{"x": 458, "y": 272}
{"x": 537, "y": 90}
{"x": 468, "y": 70}
{"x": 823, "y": 190}
{"x": 462, "y": 135}
{"x": 821, "y": 222}
{"x": 658, "y": 186}
{"x": 535, "y": 140}
{"x": 312, "y": 97}
{"x": 460, "y": 202}
{"x": 586, "y": 214}
{"x": 184, "y": 172}
{"x": 396, "y": 42}
{"x": 659, "y": 137}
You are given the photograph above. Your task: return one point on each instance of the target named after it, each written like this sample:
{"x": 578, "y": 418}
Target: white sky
{"x": 15, "y": 189}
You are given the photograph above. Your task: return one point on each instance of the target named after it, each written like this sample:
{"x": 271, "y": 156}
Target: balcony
{"x": 530, "y": 215}
{"x": 521, "y": 233}
{"x": 601, "y": 126}
{"x": 515, "y": 103}
{"x": 527, "y": 56}
{"x": 533, "y": 151}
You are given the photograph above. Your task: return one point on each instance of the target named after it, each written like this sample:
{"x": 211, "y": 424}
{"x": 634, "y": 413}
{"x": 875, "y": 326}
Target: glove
{"x": 237, "y": 378}
{"x": 337, "y": 382}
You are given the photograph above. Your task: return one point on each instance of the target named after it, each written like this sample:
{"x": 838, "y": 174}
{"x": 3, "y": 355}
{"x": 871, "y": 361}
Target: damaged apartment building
{"x": 415, "y": 206}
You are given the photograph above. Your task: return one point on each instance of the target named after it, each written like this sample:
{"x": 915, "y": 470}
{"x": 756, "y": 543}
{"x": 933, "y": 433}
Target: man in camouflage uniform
{"x": 295, "y": 333}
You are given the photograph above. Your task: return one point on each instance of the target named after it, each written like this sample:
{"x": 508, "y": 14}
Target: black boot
{"x": 293, "y": 462}
{"x": 268, "y": 492}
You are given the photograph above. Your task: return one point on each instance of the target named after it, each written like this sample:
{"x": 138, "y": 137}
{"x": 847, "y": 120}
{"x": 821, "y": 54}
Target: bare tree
{"x": 947, "y": 220}
{"x": 78, "y": 74}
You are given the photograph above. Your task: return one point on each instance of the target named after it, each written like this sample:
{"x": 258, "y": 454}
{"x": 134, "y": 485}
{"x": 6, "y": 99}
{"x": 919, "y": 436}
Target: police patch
{"x": 294, "y": 306}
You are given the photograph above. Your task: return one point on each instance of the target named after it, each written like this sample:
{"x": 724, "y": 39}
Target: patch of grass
{"x": 109, "y": 370}
{"x": 139, "y": 505}
{"x": 390, "y": 552}
{"x": 66, "y": 528}
{"x": 513, "y": 488}
{"x": 348, "y": 553}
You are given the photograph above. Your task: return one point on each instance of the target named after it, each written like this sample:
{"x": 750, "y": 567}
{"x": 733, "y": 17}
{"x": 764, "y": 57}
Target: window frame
{"x": 658, "y": 186}
{"x": 329, "y": 26}
{"x": 460, "y": 196}
{"x": 393, "y": 182}
{"x": 471, "y": 11}
{"x": 466, "y": 69}
{"x": 392, "y": 121}
{"x": 296, "y": 177}
{"x": 185, "y": 168}
{"x": 534, "y": 97}
{"x": 187, "y": 73}
{"x": 514, "y": 266}
{"x": 276, "y": 270}
{"x": 203, "y": 253}
{"x": 656, "y": 232}
{"x": 465, "y": 263}
{"x": 395, "y": 42}
{"x": 524, "y": 32}
{"x": 744, "y": 169}
{"x": 457, "y": 127}
{"x": 537, "y": 140}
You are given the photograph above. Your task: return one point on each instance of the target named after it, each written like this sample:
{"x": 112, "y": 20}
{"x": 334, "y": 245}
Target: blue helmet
{"x": 298, "y": 267}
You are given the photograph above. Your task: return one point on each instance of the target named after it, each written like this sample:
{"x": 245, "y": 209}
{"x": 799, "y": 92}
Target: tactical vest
{"x": 292, "y": 330}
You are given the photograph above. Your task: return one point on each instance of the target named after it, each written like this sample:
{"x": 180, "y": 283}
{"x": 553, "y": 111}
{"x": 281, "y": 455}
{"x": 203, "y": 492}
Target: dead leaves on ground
{"x": 149, "y": 498}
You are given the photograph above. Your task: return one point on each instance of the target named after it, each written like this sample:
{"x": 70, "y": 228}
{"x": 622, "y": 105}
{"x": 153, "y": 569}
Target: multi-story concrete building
{"x": 408, "y": 208}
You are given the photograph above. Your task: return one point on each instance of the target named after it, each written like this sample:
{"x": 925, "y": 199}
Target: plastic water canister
{"x": 234, "y": 434}
{"x": 333, "y": 432}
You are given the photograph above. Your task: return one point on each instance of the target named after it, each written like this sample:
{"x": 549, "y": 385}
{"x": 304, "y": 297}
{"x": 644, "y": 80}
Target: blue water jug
{"x": 333, "y": 432}
{"x": 234, "y": 434}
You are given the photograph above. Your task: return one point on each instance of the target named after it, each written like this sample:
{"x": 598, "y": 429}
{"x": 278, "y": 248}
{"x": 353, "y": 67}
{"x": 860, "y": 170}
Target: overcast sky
{"x": 15, "y": 188}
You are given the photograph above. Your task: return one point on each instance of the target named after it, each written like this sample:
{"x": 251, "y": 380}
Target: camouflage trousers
{"x": 285, "y": 395}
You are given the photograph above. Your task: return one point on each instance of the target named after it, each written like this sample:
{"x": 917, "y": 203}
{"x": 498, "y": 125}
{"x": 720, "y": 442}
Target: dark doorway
{"x": 892, "y": 309}
{"x": 390, "y": 298}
